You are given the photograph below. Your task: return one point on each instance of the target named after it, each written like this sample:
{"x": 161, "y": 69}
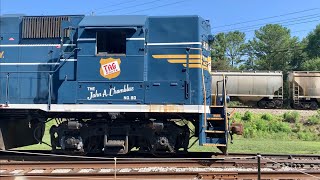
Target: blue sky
{"x": 300, "y": 16}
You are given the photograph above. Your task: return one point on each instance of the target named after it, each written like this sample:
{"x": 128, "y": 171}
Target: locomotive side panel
{"x": 110, "y": 65}
{"x": 167, "y": 73}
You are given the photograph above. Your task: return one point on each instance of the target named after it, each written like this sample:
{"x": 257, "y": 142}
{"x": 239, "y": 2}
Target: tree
{"x": 313, "y": 43}
{"x": 311, "y": 65}
{"x": 272, "y": 48}
{"x": 235, "y": 45}
{"x": 228, "y": 49}
{"x": 219, "y": 60}
{"x": 299, "y": 55}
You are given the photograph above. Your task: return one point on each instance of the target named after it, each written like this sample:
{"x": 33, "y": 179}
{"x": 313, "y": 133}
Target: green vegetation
{"x": 291, "y": 117}
{"x": 277, "y": 127}
{"x": 244, "y": 145}
{"x": 314, "y": 120}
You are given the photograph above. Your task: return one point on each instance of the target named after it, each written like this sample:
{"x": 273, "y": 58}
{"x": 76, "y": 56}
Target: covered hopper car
{"x": 112, "y": 83}
{"x": 304, "y": 89}
{"x": 261, "y": 88}
{"x": 265, "y": 89}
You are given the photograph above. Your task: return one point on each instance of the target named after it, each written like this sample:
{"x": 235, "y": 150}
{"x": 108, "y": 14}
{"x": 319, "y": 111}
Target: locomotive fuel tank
{"x": 264, "y": 89}
{"x": 304, "y": 89}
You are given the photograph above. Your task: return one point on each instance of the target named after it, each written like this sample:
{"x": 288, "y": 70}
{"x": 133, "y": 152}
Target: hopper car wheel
{"x": 297, "y": 106}
{"x": 271, "y": 104}
{"x": 262, "y": 104}
{"x": 278, "y": 103}
{"x": 313, "y": 105}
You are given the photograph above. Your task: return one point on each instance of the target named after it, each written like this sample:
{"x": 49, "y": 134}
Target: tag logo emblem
{"x": 110, "y": 68}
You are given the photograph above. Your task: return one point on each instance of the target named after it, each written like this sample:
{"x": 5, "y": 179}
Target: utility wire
{"x": 155, "y": 7}
{"x": 292, "y": 24}
{"x": 302, "y": 30}
{"x": 271, "y": 17}
{"x": 120, "y": 9}
{"x": 312, "y": 16}
{"x": 285, "y": 25}
{"x": 112, "y": 5}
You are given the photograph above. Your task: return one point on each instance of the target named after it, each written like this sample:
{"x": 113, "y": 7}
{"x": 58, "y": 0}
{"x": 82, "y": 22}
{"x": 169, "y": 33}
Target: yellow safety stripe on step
{"x": 216, "y": 106}
{"x": 215, "y": 119}
{"x": 214, "y": 145}
{"x": 216, "y": 115}
{"x": 214, "y": 131}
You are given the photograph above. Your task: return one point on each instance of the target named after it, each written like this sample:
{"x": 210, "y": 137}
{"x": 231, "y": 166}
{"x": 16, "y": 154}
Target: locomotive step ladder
{"x": 216, "y": 123}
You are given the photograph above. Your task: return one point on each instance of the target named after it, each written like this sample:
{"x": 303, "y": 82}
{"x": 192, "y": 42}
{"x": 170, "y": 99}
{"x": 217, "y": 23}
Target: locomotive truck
{"x": 113, "y": 83}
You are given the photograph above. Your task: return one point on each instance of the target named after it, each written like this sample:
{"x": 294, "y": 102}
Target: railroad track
{"x": 233, "y": 166}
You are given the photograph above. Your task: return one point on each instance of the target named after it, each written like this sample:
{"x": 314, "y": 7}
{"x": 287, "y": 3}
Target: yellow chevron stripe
{"x": 194, "y": 60}
{"x": 1, "y": 54}
{"x": 177, "y": 56}
{"x": 196, "y": 66}
{"x": 184, "y": 61}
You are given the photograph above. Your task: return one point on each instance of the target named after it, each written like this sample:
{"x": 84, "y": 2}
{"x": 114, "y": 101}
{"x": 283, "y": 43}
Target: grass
{"x": 265, "y": 146}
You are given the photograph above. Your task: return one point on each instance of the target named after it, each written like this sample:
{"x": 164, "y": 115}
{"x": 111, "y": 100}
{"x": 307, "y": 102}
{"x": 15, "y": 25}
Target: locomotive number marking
{"x": 129, "y": 97}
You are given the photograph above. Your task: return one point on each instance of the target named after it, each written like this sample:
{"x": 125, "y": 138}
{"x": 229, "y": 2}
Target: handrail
{"x": 49, "y": 91}
{"x": 204, "y": 87}
{"x": 7, "y": 90}
{"x": 50, "y": 84}
{"x": 54, "y": 71}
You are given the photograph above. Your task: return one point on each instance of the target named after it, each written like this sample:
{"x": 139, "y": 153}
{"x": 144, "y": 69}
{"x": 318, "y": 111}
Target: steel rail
{"x": 164, "y": 174}
{"x": 237, "y": 166}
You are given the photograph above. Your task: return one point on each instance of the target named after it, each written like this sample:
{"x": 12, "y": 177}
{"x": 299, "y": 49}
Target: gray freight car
{"x": 304, "y": 89}
{"x": 264, "y": 89}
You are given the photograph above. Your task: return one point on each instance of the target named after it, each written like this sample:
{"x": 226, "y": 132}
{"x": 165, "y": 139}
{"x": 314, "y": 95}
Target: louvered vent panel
{"x": 43, "y": 27}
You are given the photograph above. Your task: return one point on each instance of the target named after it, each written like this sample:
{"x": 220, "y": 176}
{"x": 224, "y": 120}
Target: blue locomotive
{"x": 113, "y": 83}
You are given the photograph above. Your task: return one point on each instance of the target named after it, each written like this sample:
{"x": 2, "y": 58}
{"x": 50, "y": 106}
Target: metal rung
{"x": 213, "y": 131}
{"x": 215, "y": 119}
{"x": 214, "y": 145}
{"x": 216, "y": 106}
{"x": 216, "y": 115}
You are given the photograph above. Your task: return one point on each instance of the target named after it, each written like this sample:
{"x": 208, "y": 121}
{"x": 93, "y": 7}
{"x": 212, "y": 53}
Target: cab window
{"x": 111, "y": 42}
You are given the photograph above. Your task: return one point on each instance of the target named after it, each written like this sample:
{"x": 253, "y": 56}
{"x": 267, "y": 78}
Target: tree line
{"x": 272, "y": 48}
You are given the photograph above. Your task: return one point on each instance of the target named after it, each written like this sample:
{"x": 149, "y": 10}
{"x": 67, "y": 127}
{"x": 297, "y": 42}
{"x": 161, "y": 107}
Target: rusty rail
{"x": 235, "y": 166}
